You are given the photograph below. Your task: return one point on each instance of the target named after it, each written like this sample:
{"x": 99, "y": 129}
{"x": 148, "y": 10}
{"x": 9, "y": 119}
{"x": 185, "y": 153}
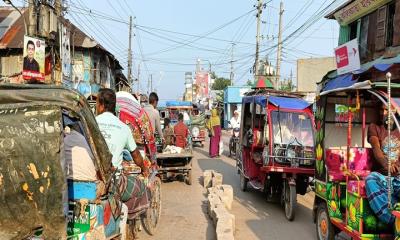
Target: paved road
{"x": 184, "y": 210}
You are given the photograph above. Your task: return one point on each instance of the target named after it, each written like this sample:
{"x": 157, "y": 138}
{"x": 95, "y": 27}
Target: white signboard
{"x": 65, "y": 52}
{"x": 347, "y": 57}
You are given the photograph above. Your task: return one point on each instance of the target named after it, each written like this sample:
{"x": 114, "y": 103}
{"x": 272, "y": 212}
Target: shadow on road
{"x": 255, "y": 217}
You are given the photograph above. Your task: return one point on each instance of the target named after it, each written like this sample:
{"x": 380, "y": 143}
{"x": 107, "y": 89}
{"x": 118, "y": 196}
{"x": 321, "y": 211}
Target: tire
{"x": 324, "y": 227}
{"x": 188, "y": 178}
{"x": 153, "y": 213}
{"x": 290, "y": 201}
{"x": 243, "y": 182}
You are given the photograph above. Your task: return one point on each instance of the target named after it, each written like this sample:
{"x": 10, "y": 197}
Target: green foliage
{"x": 220, "y": 83}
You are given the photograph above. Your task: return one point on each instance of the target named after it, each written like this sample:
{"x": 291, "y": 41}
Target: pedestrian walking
{"x": 214, "y": 129}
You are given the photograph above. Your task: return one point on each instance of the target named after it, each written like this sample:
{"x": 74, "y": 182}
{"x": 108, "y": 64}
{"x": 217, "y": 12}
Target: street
{"x": 184, "y": 213}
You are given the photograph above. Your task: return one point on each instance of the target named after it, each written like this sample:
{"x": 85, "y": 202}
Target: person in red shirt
{"x": 181, "y": 132}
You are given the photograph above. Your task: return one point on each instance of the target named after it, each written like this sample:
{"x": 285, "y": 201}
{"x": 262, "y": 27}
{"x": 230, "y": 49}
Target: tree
{"x": 220, "y": 83}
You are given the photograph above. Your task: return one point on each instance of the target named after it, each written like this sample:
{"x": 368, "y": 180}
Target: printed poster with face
{"x": 34, "y": 58}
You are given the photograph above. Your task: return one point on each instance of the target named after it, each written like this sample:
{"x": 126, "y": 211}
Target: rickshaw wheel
{"x": 188, "y": 178}
{"x": 290, "y": 201}
{"x": 153, "y": 213}
{"x": 325, "y": 229}
{"x": 243, "y": 182}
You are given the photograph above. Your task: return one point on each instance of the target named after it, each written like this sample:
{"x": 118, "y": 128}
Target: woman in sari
{"x": 214, "y": 129}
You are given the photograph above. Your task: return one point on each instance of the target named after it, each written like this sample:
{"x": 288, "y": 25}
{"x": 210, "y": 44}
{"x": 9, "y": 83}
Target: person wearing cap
{"x": 235, "y": 120}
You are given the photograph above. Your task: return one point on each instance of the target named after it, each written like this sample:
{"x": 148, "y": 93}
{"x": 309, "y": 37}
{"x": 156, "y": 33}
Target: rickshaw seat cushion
{"x": 353, "y": 186}
{"x": 359, "y": 163}
{"x": 81, "y": 190}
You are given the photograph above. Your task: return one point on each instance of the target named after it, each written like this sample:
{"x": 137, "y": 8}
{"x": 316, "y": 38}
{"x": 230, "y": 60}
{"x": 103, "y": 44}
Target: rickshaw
{"x": 173, "y": 160}
{"x": 346, "y": 105}
{"x": 276, "y": 153}
{"x": 36, "y": 199}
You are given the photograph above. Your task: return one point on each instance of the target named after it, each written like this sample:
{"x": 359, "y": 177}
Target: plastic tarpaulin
{"x": 291, "y": 103}
{"x": 342, "y": 81}
{"x": 178, "y": 104}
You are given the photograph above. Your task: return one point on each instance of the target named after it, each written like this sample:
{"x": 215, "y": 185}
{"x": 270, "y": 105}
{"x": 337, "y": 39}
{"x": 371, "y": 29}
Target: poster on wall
{"x": 65, "y": 53}
{"x": 34, "y": 57}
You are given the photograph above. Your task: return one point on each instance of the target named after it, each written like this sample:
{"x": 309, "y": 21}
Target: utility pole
{"x": 259, "y": 12}
{"x": 151, "y": 82}
{"x": 130, "y": 52}
{"x": 32, "y": 18}
{"x": 279, "y": 53}
{"x": 232, "y": 74}
{"x": 138, "y": 78}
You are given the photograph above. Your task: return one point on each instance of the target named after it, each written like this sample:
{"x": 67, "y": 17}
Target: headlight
{"x": 195, "y": 131}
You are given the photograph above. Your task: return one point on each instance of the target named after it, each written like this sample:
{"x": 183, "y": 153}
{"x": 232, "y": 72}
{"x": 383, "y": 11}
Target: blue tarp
{"x": 347, "y": 80}
{"x": 178, "y": 104}
{"x": 341, "y": 81}
{"x": 291, "y": 103}
{"x": 282, "y": 102}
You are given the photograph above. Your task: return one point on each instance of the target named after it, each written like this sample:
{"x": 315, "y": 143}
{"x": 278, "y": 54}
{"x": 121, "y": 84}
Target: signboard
{"x": 202, "y": 80}
{"x": 357, "y": 9}
{"x": 347, "y": 57}
{"x": 65, "y": 52}
{"x": 34, "y": 58}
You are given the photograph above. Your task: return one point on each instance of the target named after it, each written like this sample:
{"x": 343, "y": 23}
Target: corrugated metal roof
{"x": 12, "y": 31}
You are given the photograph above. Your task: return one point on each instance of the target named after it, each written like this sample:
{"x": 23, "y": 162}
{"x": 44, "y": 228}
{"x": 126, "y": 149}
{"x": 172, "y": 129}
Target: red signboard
{"x": 342, "y": 58}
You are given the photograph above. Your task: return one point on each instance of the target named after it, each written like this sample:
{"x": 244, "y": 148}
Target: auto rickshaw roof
{"x": 278, "y": 101}
{"x": 332, "y": 82}
{"x": 45, "y": 95}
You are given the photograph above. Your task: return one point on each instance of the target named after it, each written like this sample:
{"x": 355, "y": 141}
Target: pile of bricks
{"x": 220, "y": 198}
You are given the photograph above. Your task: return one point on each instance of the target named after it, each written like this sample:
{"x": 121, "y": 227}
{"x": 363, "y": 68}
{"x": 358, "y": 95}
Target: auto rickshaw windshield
{"x": 292, "y": 128}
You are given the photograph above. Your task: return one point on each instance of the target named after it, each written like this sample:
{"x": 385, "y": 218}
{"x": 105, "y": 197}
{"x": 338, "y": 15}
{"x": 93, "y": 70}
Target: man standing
{"x": 118, "y": 137}
{"x": 181, "y": 132}
{"x": 376, "y": 182}
{"x": 154, "y": 115}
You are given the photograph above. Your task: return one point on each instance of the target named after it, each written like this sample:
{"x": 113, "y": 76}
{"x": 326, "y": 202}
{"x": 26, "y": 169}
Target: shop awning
{"x": 333, "y": 82}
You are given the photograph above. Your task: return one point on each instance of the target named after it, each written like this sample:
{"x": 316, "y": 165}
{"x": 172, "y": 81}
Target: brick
{"x": 207, "y": 178}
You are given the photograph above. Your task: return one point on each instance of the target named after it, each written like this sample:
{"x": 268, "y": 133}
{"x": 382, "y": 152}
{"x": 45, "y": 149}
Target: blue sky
{"x": 168, "y": 55}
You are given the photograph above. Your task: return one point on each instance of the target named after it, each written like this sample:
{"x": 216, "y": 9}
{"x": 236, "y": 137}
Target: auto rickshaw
{"x": 276, "y": 153}
{"x": 346, "y": 106}
{"x": 36, "y": 199}
{"x": 173, "y": 160}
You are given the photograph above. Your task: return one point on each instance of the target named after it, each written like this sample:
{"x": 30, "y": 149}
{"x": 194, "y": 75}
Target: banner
{"x": 65, "y": 52}
{"x": 34, "y": 58}
{"x": 347, "y": 57}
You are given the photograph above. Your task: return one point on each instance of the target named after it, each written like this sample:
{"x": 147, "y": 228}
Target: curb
{"x": 219, "y": 201}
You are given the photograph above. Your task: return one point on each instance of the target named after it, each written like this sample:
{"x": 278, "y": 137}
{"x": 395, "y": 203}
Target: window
{"x": 390, "y": 24}
{"x": 363, "y": 39}
{"x": 354, "y": 26}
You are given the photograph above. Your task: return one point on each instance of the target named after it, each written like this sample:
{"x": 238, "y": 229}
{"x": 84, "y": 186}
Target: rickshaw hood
{"x": 32, "y": 182}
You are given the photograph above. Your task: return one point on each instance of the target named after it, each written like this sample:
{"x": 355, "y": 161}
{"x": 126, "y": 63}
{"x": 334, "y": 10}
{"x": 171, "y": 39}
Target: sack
{"x": 221, "y": 147}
